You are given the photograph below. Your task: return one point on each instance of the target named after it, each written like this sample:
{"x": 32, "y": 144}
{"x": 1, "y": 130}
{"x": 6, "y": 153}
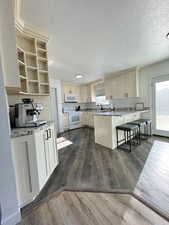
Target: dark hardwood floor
{"x": 87, "y": 166}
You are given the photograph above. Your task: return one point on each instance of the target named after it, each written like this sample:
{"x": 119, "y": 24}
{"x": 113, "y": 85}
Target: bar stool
{"x": 147, "y": 126}
{"x": 140, "y": 124}
{"x": 148, "y": 123}
{"x": 131, "y": 132}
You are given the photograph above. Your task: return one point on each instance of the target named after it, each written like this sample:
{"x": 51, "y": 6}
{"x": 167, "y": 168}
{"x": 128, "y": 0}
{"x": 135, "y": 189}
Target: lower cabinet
{"x": 87, "y": 119}
{"x": 24, "y": 160}
{"x": 34, "y": 157}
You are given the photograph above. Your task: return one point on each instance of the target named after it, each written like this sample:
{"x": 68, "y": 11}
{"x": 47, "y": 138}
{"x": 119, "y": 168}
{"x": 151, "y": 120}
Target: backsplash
{"x": 117, "y": 103}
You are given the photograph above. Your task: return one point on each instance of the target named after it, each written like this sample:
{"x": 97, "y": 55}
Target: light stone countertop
{"x": 119, "y": 113}
{"x": 18, "y": 132}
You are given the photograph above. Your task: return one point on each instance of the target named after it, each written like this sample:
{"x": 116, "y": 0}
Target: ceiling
{"x": 97, "y": 37}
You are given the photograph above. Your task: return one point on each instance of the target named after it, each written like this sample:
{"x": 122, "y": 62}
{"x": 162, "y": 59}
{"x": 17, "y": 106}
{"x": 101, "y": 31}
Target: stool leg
{"x": 139, "y": 134}
{"x": 130, "y": 139}
{"x": 117, "y": 137}
{"x": 150, "y": 129}
{"x": 125, "y": 137}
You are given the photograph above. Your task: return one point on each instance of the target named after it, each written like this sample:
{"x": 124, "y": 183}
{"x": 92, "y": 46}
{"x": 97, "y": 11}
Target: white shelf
{"x": 33, "y": 65}
{"x": 42, "y": 59}
{"x": 30, "y": 53}
{"x": 33, "y": 81}
{"x": 47, "y": 84}
{"x": 42, "y": 50}
{"x": 43, "y": 71}
{"x": 20, "y": 62}
{"x": 22, "y": 77}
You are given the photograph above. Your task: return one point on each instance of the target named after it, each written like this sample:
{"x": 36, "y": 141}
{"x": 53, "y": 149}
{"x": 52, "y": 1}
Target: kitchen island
{"x": 105, "y": 124}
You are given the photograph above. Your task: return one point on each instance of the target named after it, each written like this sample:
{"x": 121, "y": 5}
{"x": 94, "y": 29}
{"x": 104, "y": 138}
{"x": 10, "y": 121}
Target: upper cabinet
{"x": 33, "y": 64}
{"x": 26, "y": 64}
{"x": 85, "y": 93}
{"x": 69, "y": 88}
{"x": 122, "y": 84}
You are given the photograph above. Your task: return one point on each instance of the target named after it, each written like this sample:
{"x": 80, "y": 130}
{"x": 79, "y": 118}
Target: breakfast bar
{"x": 105, "y": 124}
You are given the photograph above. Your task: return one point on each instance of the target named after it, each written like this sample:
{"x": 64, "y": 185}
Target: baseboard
{"x": 13, "y": 219}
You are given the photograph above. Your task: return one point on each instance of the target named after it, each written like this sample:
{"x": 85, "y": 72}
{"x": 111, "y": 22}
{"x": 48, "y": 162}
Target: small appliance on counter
{"x": 27, "y": 114}
{"x": 139, "y": 106}
{"x": 77, "y": 108}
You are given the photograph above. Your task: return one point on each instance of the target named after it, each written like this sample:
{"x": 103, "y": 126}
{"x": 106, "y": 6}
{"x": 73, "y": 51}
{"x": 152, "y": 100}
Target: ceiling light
{"x": 167, "y": 36}
{"x": 79, "y": 76}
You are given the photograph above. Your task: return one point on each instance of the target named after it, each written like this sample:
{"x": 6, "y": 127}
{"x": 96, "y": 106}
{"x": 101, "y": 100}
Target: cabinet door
{"x": 24, "y": 160}
{"x": 82, "y": 94}
{"x": 108, "y": 89}
{"x": 132, "y": 84}
{"x": 40, "y": 142}
{"x": 52, "y": 151}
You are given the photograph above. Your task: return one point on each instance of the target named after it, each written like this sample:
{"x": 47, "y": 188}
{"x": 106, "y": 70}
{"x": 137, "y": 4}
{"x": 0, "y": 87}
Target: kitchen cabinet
{"x": 47, "y": 154}
{"x": 122, "y": 85}
{"x": 85, "y": 93}
{"x": 24, "y": 160}
{"x": 35, "y": 157}
{"x": 28, "y": 74}
{"x": 87, "y": 119}
{"x": 69, "y": 88}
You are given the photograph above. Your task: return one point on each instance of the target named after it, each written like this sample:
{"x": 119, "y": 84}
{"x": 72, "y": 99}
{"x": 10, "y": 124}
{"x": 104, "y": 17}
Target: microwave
{"x": 72, "y": 98}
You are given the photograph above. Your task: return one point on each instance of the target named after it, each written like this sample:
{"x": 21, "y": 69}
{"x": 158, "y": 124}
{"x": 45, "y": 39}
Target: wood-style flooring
{"x": 86, "y": 166}
{"x": 84, "y": 208}
{"x": 153, "y": 183}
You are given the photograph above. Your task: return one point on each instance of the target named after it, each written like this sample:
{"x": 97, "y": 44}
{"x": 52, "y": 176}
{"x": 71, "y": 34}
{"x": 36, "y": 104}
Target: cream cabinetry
{"x": 24, "y": 160}
{"x": 31, "y": 75}
{"x": 35, "y": 157}
{"x": 69, "y": 88}
{"x": 87, "y": 119}
{"x": 47, "y": 155}
{"x": 33, "y": 65}
{"x": 85, "y": 93}
{"x": 122, "y": 85}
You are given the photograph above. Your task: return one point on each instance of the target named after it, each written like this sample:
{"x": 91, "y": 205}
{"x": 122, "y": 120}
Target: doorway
{"x": 161, "y": 106}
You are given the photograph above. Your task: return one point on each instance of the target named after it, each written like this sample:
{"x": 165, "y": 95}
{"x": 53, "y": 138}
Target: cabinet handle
{"x": 47, "y": 136}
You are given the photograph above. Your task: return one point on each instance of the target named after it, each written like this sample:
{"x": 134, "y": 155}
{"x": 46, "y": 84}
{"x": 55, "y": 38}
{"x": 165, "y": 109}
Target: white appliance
{"x": 71, "y": 98}
{"x": 74, "y": 119}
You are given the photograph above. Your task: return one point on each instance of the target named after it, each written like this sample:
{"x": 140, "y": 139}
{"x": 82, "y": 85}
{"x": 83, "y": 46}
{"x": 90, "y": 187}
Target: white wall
{"x": 8, "y": 44}
{"x": 8, "y": 194}
{"x": 145, "y": 80}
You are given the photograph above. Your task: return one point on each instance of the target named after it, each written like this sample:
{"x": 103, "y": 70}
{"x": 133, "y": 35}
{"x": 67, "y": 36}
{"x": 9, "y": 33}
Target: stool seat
{"x": 138, "y": 122}
{"x": 145, "y": 120}
{"x": 127, "y": 127}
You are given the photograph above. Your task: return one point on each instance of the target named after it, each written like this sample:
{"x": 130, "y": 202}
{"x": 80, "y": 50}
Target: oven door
{"x": 74, "y": 119}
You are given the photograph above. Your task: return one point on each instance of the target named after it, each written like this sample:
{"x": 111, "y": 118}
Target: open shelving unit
{"x": 33, "y": 65}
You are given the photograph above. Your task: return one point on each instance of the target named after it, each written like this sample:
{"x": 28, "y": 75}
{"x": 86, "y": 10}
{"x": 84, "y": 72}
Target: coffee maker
{"x": 27, "y": 114}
